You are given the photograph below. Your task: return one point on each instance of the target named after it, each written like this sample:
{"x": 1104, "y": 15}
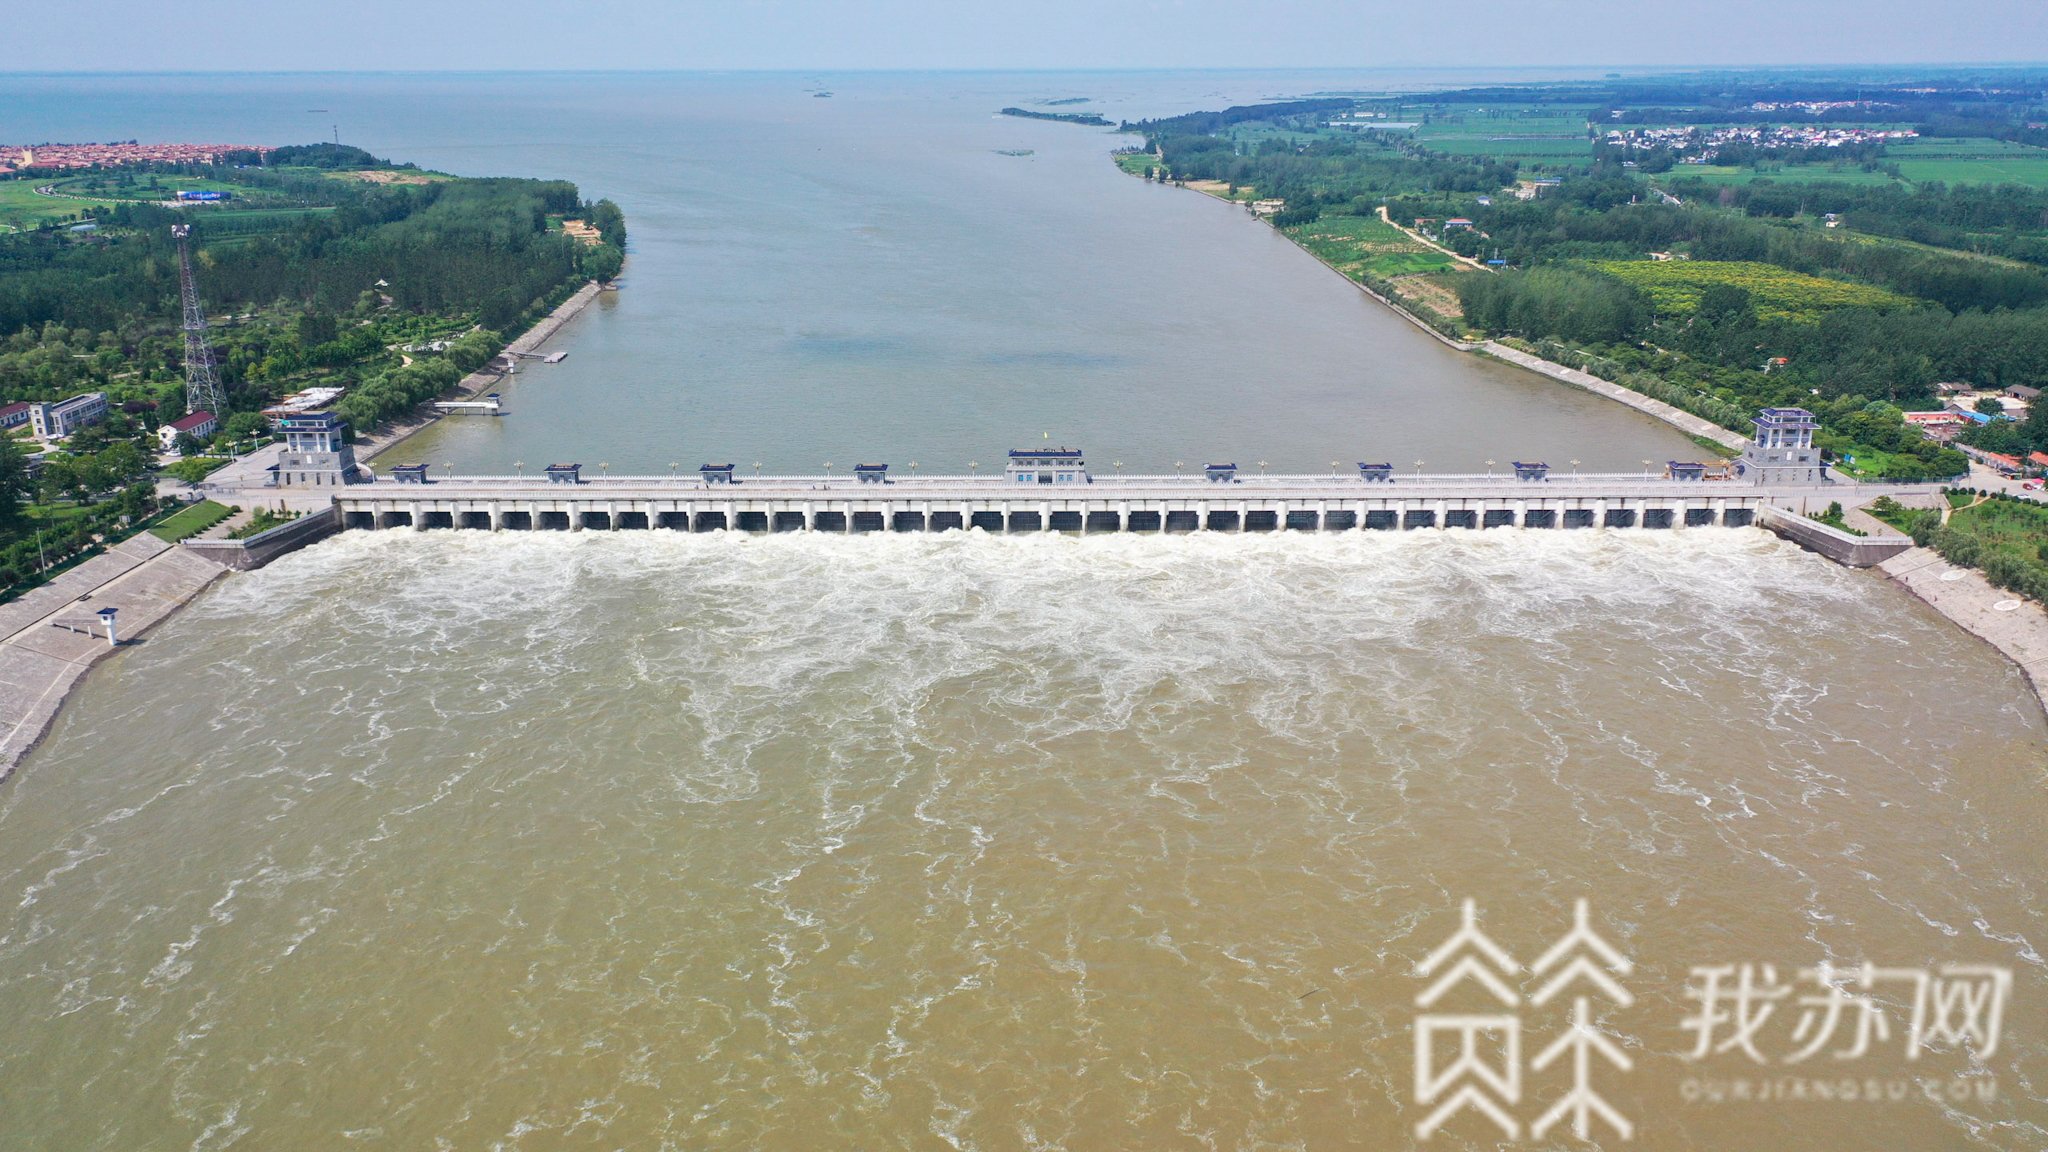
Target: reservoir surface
{"x": 645, "y": 840}
{"x": 869, "y": 277}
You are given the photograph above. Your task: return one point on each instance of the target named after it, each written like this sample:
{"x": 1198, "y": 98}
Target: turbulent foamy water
{"x": 649, "y": 840}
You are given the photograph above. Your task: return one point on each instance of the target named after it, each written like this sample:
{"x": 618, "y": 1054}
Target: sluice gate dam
{"x": 1128, "y": 504}
{"x": 1051, "y": 490}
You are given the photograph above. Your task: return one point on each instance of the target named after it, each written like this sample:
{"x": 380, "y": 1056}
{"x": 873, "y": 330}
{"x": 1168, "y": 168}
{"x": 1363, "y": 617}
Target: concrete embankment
{"x": 2015, "y": 627}
{"x": 1844, "y": 548}
{"x": 1676, "y": 417}
{"x": 476, "y": 382}
{"x": 260, "y": 549}
{"x": 49, "y": 637}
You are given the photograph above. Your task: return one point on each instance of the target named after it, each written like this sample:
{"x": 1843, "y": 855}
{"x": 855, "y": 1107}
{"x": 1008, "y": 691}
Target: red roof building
{"x": 200, "y": 424}
{"x": 2000, "y": 461}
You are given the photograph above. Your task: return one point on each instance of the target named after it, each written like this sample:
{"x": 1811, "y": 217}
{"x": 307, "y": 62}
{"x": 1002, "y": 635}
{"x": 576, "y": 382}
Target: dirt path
{"x": 1419, "y": 238}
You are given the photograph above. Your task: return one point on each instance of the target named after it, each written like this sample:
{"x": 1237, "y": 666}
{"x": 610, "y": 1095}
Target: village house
{"x": 200, "y": 425}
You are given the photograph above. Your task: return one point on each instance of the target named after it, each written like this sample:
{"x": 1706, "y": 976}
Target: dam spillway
{"x": 1125, "y": 504}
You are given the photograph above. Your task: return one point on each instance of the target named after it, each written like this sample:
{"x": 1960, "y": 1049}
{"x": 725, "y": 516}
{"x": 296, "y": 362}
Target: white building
{"x": 61, "y": 419}
{"x": 201, "y": 425}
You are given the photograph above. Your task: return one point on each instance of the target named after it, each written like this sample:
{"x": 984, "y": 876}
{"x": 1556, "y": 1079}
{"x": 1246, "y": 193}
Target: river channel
{"x": 644, "y": 840}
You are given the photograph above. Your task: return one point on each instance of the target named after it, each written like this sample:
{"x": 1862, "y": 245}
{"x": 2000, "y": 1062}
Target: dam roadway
{"x": 1127, "y": 504}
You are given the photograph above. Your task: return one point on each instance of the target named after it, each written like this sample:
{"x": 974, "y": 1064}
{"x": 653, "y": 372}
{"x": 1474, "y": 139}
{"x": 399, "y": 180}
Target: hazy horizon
{"x": 1061, "y": 35}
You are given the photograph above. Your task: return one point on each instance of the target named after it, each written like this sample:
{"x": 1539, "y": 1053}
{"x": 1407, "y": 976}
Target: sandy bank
{"x": 2015, "y": 627}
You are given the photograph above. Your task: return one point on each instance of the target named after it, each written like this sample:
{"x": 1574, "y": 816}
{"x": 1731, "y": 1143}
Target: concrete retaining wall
{"x": 262, "y": 548}
{"x": 1678, "y": 418}
{"x": 1843, "y": 548}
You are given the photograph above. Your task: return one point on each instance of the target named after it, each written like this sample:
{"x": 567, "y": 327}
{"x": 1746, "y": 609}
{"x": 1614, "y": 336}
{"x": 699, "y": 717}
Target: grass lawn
{"x": 22, "y": 208}
{"x": 192, "y": 521}
{"x": 167, "y": 185}
{"x": 54, "y": 515}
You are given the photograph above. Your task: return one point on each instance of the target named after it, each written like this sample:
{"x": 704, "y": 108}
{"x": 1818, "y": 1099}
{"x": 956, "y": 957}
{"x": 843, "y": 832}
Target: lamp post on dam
{"x": 1052, "y": 490}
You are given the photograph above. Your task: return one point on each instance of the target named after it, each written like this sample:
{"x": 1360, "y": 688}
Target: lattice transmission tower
{"x": 203, "y": 392}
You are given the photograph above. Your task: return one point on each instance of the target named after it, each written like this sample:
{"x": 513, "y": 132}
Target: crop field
{"x": 1674, "y": 287}
{"x": 1511, "y": 120}
{"x": 1364, "y": 244}
{"x": 2031, "y": 171}
{"x": 1971, "y": 161}
{"x": 1953, "y": 148}
{"x": 1786, "y": 173}
{"x": 1520, "y": 148}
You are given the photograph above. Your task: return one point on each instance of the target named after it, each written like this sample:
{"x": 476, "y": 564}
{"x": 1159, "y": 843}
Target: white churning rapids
{"x": 623, "y": 839}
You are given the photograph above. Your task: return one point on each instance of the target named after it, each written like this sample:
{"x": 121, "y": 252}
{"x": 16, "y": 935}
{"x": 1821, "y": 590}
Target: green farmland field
{"x": 1520, "y": 148}
{"x": 1788, "y": 173}
{"x": 2028, "y": 170}
{"x": 1364, "y": 244}
{"x": 1674, "y": 287}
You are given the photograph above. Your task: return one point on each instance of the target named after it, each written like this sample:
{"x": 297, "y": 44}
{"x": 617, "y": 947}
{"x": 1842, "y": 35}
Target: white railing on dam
{"x": 1125, "y": 503}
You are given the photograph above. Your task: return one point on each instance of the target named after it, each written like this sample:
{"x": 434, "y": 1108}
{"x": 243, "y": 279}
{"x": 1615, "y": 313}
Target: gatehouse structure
{"x": 1052, "y": 490}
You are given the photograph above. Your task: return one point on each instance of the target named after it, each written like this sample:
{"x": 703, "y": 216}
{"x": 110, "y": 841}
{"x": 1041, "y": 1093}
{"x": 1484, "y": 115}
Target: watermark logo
{"x": 1813, "y": 1022}
{"x": 1485, "y": 1073}
{"x": 1947, "y": 1007}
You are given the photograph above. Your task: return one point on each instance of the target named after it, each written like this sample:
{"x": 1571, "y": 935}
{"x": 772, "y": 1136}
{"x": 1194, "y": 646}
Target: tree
{"x": 190, "y": 471}
{"x": 1989, "y": 406}
{"x": 244, "y": 426}
{"x": 316, "y": 328}
{"x": 473, "y": 351}
{"x": 610, "y": 223}
{"x": 14, "y": 485}
{"x": 602, "y": 263}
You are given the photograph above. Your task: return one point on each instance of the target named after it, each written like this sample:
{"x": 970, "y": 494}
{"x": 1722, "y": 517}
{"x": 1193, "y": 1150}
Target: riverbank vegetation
{"x": 387, "y": 285}
{"x": 1611, "y": 240}
{"x": 2005, "y": 537}
{"x": 328, "y": 267}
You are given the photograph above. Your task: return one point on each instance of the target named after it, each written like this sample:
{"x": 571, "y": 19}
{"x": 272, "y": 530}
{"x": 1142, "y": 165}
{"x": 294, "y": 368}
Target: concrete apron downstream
{"x": 41, "y": 659}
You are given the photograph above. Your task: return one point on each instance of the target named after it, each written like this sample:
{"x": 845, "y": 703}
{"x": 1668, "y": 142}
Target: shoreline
{"x": 1650, "y": 406}
{"x": 399, "y": 431}
{"x": 1965, "y": 599}
{"x": 44, "y": 655}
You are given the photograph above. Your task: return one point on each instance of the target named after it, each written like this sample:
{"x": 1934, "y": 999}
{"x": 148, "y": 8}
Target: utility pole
{"x": 203, "y": 392}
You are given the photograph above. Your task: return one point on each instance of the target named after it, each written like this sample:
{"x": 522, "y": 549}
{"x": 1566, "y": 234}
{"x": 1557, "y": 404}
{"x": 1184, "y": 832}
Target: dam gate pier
{"x": 1155, "y": 504}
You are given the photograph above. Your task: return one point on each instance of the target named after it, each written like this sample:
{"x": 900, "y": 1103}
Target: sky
{"x": 368, "y": 35}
